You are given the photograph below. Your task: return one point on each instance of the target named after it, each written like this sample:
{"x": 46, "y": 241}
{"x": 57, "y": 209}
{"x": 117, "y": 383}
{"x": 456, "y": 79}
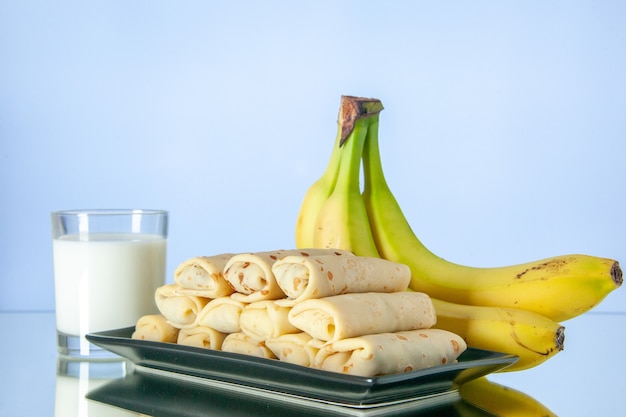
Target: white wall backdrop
{"x": 503, "y": 134}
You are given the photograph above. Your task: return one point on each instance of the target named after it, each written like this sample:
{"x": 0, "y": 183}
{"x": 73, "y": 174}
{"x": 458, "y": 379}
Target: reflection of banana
{"x": 531, "y": 336}
{"x": 342, "y": 221}
{"x": 560, "y": 288}
{"x": 502, "y": 401}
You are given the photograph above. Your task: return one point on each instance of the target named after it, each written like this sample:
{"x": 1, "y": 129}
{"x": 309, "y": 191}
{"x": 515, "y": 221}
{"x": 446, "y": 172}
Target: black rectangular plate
{"x": 162, "y": 393}
{"x": 285, "y": 378}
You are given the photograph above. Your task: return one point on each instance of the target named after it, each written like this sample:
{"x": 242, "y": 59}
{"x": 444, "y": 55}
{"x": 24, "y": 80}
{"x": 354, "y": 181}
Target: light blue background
{"x": 503, "y": 134}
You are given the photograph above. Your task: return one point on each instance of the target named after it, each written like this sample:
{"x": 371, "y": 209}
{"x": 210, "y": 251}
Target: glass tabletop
{"x": 583, "y": 379}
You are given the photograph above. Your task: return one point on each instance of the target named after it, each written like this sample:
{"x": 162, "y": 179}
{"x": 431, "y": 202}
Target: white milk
{"x": 106, "y": 282}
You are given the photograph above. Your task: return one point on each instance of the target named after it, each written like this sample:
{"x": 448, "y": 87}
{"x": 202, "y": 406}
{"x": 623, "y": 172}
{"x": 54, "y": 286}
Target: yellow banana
{"x": 342, "y": 221}
{"x": 501, "y": 400}
{"x": 531, "y": 336}
{"x": 316, "y": 196}
{"x": 560, "y": 287}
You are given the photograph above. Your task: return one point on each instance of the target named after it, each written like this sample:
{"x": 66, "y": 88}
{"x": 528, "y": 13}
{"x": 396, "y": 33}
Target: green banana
{"x": 342, "y": 221}
{"x": 559, "y": 288}
{"x": 316, "y": 196}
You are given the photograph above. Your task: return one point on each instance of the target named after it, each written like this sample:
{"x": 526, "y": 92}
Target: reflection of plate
{"x": 155, "y": 392}
{"x": 285, "y": 378}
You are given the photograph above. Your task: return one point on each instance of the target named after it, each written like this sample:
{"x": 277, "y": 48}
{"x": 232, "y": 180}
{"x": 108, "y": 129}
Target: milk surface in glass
{"x": 106, "y": 281}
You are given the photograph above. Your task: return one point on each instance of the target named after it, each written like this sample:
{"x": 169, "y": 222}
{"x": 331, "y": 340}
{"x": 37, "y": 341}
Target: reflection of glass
{"x": 76, "y": 378}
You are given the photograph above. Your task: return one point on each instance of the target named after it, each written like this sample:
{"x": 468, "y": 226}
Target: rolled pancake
{"x": 201, "y": 336}
{"x": 306, "y": 277}
{"x": 251, "y": 276}
{"x": 180, "y": 310}
{"x": 203, "y": 276}
{"x": 389, "y": 353}
{"x": 221, "y": 314}
{"x": 154, "y": 327}
{"x": 246, "y": 345}
{"x": 264, "y": 319}
{"x": 357, "y": 314}
{"x": 293, "y": 348}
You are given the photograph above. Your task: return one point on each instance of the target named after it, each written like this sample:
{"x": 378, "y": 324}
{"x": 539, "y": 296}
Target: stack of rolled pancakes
{"x": 321, "y": 308}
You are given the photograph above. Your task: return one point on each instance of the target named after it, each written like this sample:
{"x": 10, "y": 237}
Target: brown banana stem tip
{"x": 354, "y": 108}
{"x": 559, "y": 338}
{"x": 616, "y": 274}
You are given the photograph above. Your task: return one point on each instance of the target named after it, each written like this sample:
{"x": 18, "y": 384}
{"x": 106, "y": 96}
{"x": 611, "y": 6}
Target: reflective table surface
{"x": 584, "y": 379}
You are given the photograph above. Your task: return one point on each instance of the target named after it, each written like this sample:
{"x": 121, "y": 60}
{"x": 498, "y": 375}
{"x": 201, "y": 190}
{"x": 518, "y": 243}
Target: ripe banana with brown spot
{"x": 531, "y": 336}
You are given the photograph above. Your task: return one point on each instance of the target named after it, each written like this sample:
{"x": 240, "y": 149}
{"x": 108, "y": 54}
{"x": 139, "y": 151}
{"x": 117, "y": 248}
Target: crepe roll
{"x": 180, "y": 310}
{"x": 293, "y": 348}
{"x": 265, "y": 319}
{"x": 251, "y": 277}
{"x": 203, "y": 276}
{"x": 306, "y": 277}
{"x": 221, "y": 314}
{"x": 202, "y": 337}
{"x": 390, "y": 353}
{"x": 356, "y": 314}
{"x": 246, "y": 345}
{"x": 155, "y": 328}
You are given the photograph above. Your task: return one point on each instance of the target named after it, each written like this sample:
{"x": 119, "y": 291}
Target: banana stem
{"x": 355, "y": 116}
{"x": 372, "y": 165}
{"x": 353, "y": 109}
{"x": 332, "y": 169}
{"x": 350, "y": 164}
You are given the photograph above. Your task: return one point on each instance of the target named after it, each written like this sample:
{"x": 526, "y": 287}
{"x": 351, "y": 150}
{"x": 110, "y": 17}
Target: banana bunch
{"x": 537, "y": 295}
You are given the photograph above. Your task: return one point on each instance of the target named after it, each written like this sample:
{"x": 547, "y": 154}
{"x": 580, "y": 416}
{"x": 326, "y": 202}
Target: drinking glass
{"x": 108, "y": 264}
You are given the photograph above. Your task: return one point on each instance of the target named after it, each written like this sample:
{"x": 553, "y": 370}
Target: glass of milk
{"x": 108, "y": 264}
